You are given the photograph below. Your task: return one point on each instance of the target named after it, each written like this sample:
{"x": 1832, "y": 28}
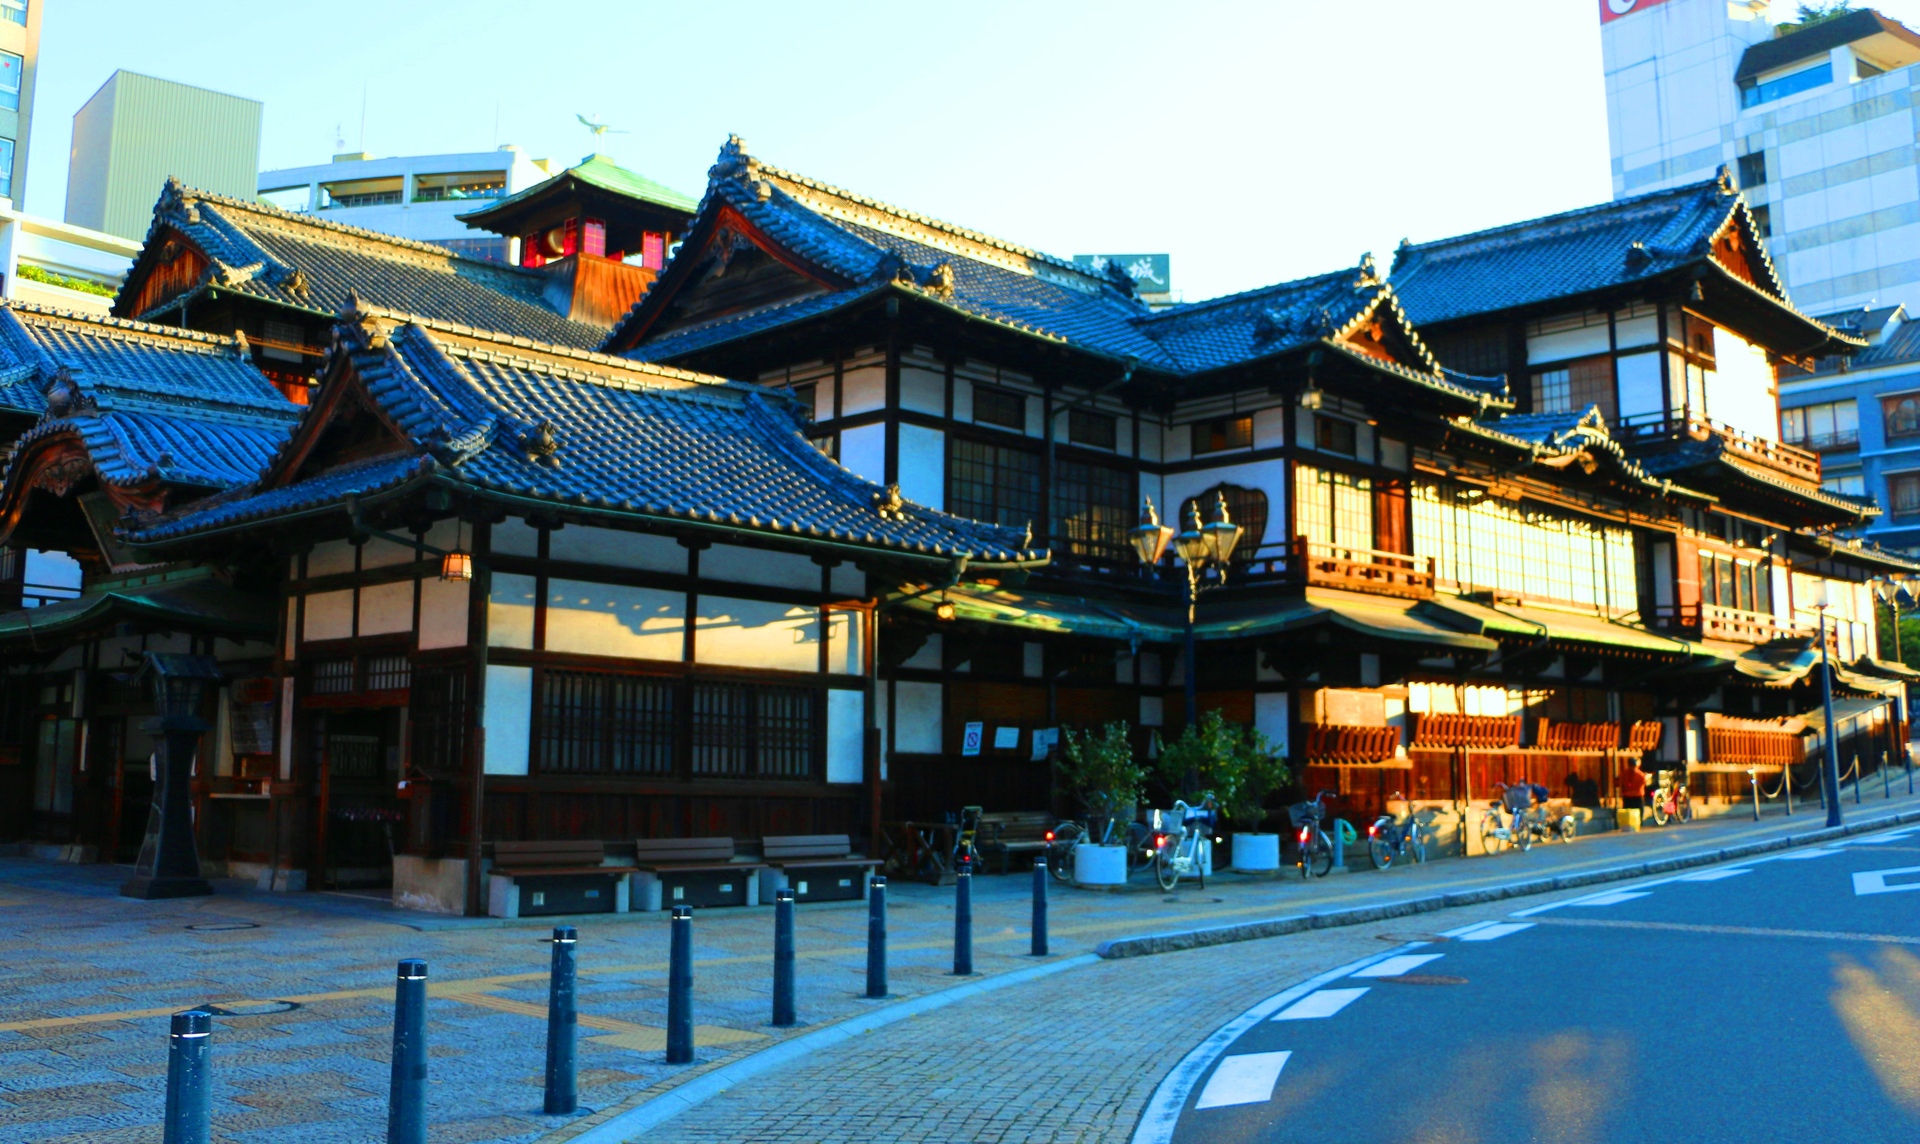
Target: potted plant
{"x": 1101, "y": 767}
{"x": 1239, "y": 765}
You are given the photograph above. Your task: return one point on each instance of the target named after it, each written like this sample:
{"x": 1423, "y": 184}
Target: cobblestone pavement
{"x": 304, "y": 984}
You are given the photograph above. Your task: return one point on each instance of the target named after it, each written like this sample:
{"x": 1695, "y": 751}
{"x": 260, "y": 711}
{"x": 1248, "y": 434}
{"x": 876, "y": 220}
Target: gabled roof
{"x": 1563, "y": 257}
{"x": 185, "y": 599}
{"x": 843, "y": 248}
{"x": 317, "y": 266}
{"x": 1559, "y": 440}
{"x": 558, "y": 429}
{"x": 151, "y": 403}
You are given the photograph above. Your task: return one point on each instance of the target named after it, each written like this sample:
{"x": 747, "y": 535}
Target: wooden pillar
{"x": 478, "y": 590}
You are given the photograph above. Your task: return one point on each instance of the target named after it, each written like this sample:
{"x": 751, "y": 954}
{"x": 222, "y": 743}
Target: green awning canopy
{"x": 1504, "y": 620}
{"x": 190, "y": 600}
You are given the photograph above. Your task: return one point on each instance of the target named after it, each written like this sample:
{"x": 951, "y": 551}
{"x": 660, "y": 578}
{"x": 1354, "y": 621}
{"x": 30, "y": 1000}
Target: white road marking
{"x": 1321, "y": 1003}
{"x": 1395, "y": 966}
{"x": 1495, "y": 932}
{"x": 1712, "y": 875}
{"x": 1467, "y": 929}
{"x": 1803, "y": 855}
{"x": 1246, "y": 1079}
{"x": 1875, "y": 881}
{"x": 1612, "y": 899}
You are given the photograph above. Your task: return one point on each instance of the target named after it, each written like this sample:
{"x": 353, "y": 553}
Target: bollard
{"x": 680, "y": 988}
{"x": 877, "y": 938}
{"x": 407, "y": 1100}
{"x": 563, "y": 1023}
{"x": 963, "y": 920}
{"x": 1040, "y": 907}
{"x": 1909, "y": 770}
{"x": 783, "y": 1015}
{"x": 1340, "y": 846}
{"x": 189, "y": 1084}
{"x": 1858, "y": 780}
{"x": 1886, "y": 780}
{"x": 1753, "y": 780}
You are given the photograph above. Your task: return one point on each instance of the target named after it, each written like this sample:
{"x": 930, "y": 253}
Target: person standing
{"x": 1632, "y": 782}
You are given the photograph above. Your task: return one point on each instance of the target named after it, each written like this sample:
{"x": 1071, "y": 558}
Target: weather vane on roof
{"x": 598, "y": 129}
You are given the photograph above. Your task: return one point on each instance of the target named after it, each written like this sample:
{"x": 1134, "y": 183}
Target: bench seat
{"x": 816, "y": 867}
{"x": 532, "y": 879}
{"x": 1004, "y": 834}
{"x": 691, "y": 872}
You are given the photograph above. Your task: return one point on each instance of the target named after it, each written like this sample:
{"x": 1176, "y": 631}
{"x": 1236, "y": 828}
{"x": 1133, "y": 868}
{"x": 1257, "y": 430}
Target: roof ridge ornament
{"x": 541, "y": 445}
{"x": 734, "y": 164}
{"x": 890, "y": 505}
{"x": 1369, "y": 275}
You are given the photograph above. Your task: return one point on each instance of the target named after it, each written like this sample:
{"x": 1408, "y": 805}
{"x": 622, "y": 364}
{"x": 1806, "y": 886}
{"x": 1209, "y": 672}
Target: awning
{"x": 1046, "y": 613}
{"x": 1845, "y": 711}
{"x": 1505, "y": 620}
{"x": 190, "y": 599}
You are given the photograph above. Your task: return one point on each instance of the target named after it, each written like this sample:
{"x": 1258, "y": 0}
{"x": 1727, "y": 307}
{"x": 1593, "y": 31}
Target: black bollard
{"x": 1886, "y": 780}
{"x": 563, "y": 1023}
{"x": 1858, "y": 780}
{"x": 783, "y": 1015}
{"x": 680, "y": 989}
{"x": 407, "y": 1100}
{"x": 963, "y": 921}
{"x": 189, "y": 1083}
{"x": 1040, "y": 907}
{"x": 877, "y": 938}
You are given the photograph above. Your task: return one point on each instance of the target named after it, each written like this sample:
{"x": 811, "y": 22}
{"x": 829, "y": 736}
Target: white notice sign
{"x": 1006, "y": 738}
{"x": 970, "y": 743}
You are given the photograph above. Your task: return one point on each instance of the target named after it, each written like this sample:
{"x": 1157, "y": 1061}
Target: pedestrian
{"x": 1633, "y": 785}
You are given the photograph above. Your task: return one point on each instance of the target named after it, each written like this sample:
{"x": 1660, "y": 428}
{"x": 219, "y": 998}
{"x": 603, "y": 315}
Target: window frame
{"x": 995, "y": 393}
{"x": 1228, "y": 429}
{"x": 1104, "y": 427}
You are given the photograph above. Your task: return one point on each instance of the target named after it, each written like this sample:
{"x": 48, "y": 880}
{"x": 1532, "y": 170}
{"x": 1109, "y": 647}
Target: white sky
{"x": 1256, "y": 142}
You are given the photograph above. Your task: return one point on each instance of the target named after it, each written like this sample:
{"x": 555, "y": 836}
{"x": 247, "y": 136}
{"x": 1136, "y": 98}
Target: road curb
{"x": 1151, "y": 944}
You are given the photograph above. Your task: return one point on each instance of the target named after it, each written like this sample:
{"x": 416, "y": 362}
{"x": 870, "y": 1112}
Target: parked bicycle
{"x": 1496, "y": 833}
{"x": 1670, "y": 799}
{"x": 1181, "y": 855}
{"x": 1390, "y": 839}
{"x": 1068, "y": 835}
{"x": 1315, "y": 848}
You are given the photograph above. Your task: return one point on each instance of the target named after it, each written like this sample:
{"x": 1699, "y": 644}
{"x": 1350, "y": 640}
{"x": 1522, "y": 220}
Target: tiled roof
{"x": 857, "y": 246}
{"x": 318, "y": 266}
{"x": 1566, "y": 255}
{"x": 594, "y": 170}
{"x": 1900, "y": 347}
{"x": 604, "y": 434}
{"x": 149, "y": 402}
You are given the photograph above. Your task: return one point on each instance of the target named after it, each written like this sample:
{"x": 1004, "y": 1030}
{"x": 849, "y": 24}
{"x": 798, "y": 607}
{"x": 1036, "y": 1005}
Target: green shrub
{"x": 48, "y": 277}
{"x": 1238, "y": 764}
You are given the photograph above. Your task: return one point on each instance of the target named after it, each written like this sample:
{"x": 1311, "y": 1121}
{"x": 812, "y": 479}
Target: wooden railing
{"x": 1644, "y": 736}
{"x": 1482, "y": 731}
{"x": 1301, "y": 561}
{"x": 1329, "y": 743}
{"x": 1577, "y": 736}
{"x": 1735, "y": 625}
{"x": 1755, "y": 748}
{"x": 1777, "y": 455}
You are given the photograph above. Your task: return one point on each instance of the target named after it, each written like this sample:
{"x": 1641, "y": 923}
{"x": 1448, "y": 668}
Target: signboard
{"x": 1151, "y": 273}
{"x": 1006, "y": 738}
{"x": 1044, "y": 739}
{"x": 970, "y": 742}
{"x": 1611, "y": 10}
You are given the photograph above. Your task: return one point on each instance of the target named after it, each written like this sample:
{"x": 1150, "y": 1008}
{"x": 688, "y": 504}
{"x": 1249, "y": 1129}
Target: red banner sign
{"x": 1611, "y": 10}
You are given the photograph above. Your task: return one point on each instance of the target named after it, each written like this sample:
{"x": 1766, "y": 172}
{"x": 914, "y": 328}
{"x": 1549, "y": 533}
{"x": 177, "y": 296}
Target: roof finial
{"x": 1369, "y": 272}
{"x": 1724, "y": 177}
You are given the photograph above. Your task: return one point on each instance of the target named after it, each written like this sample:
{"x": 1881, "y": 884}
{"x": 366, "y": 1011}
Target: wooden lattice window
{"x": 601, "y": 723}
{"x": 388, "y": 672}
{"x": 438, "y": 708}
{"x": 749, "y": 730}
{"x": 332, "y": 677}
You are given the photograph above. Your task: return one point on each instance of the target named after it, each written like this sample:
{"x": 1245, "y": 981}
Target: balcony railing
{"x": 1828, "y": 442}
{"x": 1302, "y": 561}
{"x": 1735, "y": 625}
{"x": 1777, "y": 455}
{"x": 1332, "y": 744}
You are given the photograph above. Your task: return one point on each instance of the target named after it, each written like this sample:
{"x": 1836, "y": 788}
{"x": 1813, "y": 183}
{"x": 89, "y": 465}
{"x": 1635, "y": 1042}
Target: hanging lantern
{"x": 943, "y": 611}
{"x": 1151, "y": 538}
{"x": 456, "y": 565}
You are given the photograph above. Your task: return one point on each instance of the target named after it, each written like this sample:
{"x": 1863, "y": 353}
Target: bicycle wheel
{"x": 1321, "y": 858}
{"x": 1523, "y": 837}
{"x": 1163, "y": 871}
{"x": 1567, "y": 829}
{"x": 1417, "y": 842}
{"x": 1066, "y": 836}
{"x": 1686, "y": 807}
{"x": 1490, "y": 840}
{"x": 1380, "y": 851}
{"x": 1660, "y": 812}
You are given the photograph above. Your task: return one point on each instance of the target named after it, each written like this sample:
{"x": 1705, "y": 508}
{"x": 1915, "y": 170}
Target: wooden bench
{"x": 1005, "y": 833}
{"x": 816, "y": 867}
{"x": 534, "y": 878}
{"x": 691, "y": 872}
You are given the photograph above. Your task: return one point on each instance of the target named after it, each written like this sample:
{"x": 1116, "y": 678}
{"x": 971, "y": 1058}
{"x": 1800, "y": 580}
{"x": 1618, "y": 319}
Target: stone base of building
{"x": 281, "y": 880}
{"x": 432, "y": 885}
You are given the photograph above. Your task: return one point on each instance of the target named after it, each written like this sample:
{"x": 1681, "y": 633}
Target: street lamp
{"x": 169, "y": 863}
{"x": 1201, "y": 548}
{"x": 1830, "y": 762}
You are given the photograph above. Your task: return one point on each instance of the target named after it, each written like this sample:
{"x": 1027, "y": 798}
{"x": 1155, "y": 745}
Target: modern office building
{"x": 19, "y": 59}
{"x": 411, "y": 196}
{"x": 137, "y": 132}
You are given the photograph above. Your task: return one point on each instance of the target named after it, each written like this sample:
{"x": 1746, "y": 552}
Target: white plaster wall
{"x": 863, "y": 389}
{"x": 330, "y": 556}
{"x": 643, "y": 550}
{"x": 846, "y": 650}
{"x": 755, "y": 633}
{"x": 386, "y": 608}
{"x": 515, "y": 537}
{"x": 378, "y": 553}
{"x": 849, "y": 582}
{"x": 612, "y": 619}
{"x": 923, "y": 465}
{"x": 923, "y": 390}
{"x": 443, "y": 612}
{"x": 1270, "y": 427}
{"x": 1270, "y": 477}
{"x": 329, "y": 616}
{"x": 507, "y": 719}
{"x": 863, "y": 450}
{"x": 846, "y": 735}
{"x": 760, "y": 566}
{"x": 917, "y": 718}
{"x": 510, "y": 611}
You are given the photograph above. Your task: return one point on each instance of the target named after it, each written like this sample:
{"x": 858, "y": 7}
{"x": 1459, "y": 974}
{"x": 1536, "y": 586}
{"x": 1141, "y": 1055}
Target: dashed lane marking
{"x": 1612, "y": 899}
{"x": 1803, "y": 855}
{"x": 1245, "y": 1079}
{"x": 1463, "y": 931}
{"x": 1735, "y": 931}
{"x": 1496, "y": 931}
{"x": 1395, "y": 966}
{"x": 1712, "y": 875}
{"x": 1868, "y": 882}
{"x": 1320, "y": 1003}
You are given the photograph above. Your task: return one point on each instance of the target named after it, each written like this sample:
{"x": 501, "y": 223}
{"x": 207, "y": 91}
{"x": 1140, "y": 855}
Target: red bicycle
{"x": 1671, "y": 801}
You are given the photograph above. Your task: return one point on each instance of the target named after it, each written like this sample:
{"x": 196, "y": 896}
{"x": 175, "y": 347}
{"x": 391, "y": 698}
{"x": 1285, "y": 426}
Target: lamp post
{"x": 169, "y": 864}
{"x": 1201, "y": 548}
{"x": 1830, "y": 760}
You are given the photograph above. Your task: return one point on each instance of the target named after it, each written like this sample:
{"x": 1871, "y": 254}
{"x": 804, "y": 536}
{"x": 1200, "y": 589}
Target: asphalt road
{"x": 1770, "y": 999}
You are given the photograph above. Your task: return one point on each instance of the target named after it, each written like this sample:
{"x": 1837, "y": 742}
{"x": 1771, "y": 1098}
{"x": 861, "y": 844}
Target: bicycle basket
{"x": 1517, "y": 799}
{"x": 1304, "y": 814}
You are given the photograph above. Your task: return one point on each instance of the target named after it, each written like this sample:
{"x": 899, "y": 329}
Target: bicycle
{"x": 1066, "y": 836}
{"x": 1183, "y": 859}
{"x": 1388, "y": 838}
{"x": 1497, "y": 834}
{"x": 1671, "y": 800}
{"x": 1316, "y": 849}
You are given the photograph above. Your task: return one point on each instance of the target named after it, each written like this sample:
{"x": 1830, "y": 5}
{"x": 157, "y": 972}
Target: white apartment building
{"x": 1817, "y": 121}
{"x": 412, "y": 196}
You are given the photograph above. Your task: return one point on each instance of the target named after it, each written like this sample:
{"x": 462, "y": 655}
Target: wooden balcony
{"x": 1482, "y": 731}
{"x": 1301, "y": 561}
{"x": 1755, "y": 748}
{"x": 1713, "y": 622}
{"x": 1788, "y": 460}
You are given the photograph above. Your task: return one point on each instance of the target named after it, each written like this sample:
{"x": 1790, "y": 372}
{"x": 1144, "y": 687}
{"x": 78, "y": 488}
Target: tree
{"x": 1819, "y": 13}
{"x": 1238, "y": 764}
{"x": 1100, "y": 766}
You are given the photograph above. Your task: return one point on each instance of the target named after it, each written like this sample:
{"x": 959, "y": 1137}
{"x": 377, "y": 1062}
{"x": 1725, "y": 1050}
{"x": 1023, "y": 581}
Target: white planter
{"x": 1256, "y": 853}
{"x": 1099, "y": 865}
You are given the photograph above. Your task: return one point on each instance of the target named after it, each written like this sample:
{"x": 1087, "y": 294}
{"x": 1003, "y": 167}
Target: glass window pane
{"x": 1640, "y": 393}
